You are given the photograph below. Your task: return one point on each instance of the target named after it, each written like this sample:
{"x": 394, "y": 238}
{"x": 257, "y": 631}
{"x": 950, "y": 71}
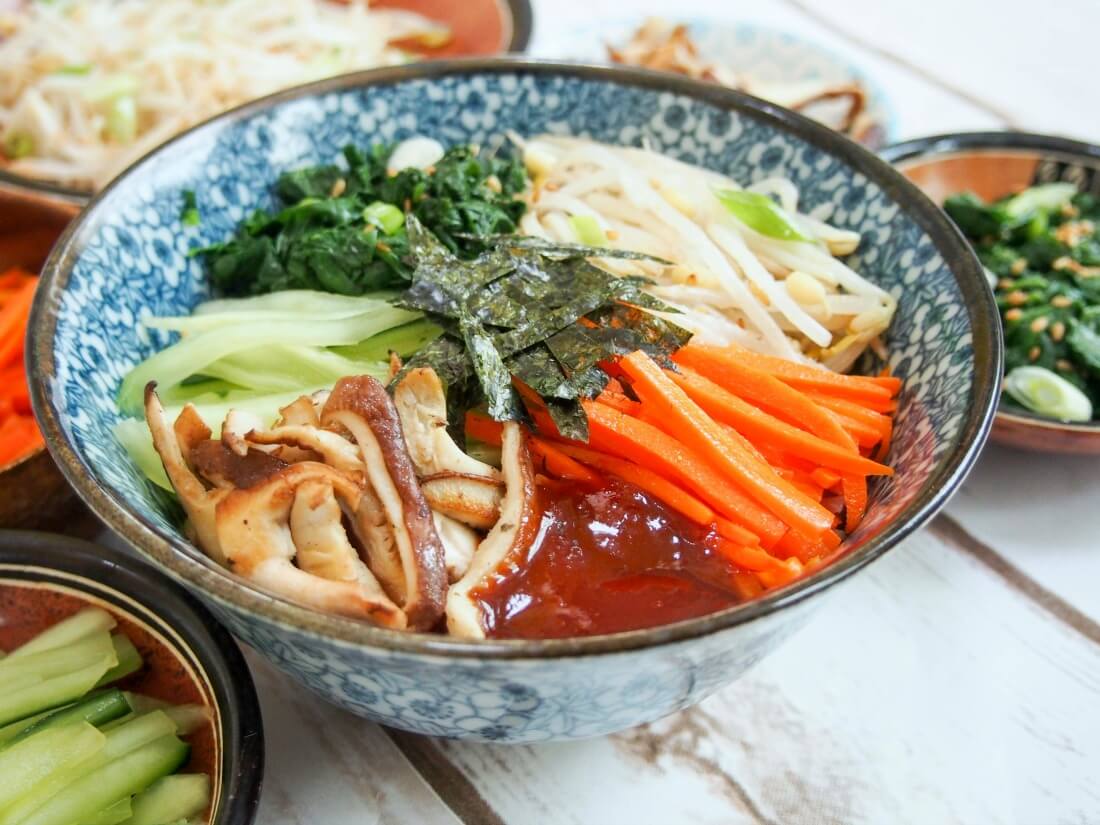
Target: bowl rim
{"x": 189, "y": 565}
{"x": 243, "y": 737}
{"x": 521, "y": 24}
{"x": 961, "y": 143}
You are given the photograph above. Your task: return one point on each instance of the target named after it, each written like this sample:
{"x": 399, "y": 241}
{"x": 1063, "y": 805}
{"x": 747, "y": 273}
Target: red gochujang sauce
{"x": 607, "y": 559}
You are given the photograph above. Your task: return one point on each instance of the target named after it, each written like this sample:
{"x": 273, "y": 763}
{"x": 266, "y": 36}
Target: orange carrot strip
{"x": 887, "y": 440}
{"x": 657, "y": 486}
{"x": 19, "y": 436}
{"x": 13, "y": 279}
{"x": 855, "y": 501}
{"x": 806, "y": 376}
{"x": 771, "y": 571}
{"x": 536, "y": 408}
{"x": 735, "y": 532}
{"x": 13, "y": 322}
{"x": 869, "y": 417}
{"x": 561, "y": 465}
{"x": 484, "y": 429}
{"x": 620, "y": 401}
{"x": 759, "y": 426}
{"x": 825, "y": 478}
{"x": 706, "y": 436}
{"x": 611, "y": 431}
{"x": 765, "y": 391}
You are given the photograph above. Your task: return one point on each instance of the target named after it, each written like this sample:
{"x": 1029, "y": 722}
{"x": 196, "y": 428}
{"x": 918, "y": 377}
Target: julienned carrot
{"x": 758, "y": 426}
{"x": 765, "y": 391}
{"x": 14, "y": 278}
{"x": 864, "y": 435}
{"x": 826, "y": 479}
{"x": 700, "y": 432}
{"x": 620, "y": 401}
{"x": 657, "y": 486}
{"x": 869, "y": 412}
{"x": 18, "y": 436}
{"x": 559, "y": 464}
{"x": 771, "y": 571}
{"x": 795, "y": 545}
{"x": 536, "y": 408}
{"x": 735, "y": 532}
{"x": 612, "y": 431}
{"x": 808, "y": 376}
{"x": 13, "y": 322}
{"x": 483, "y": 428}
{"x": 855, "y": 501}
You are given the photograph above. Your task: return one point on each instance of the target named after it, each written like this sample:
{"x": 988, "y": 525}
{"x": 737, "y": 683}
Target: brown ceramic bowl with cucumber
{"x": 123, "y": 699}
{"x": 1043, "y": 250}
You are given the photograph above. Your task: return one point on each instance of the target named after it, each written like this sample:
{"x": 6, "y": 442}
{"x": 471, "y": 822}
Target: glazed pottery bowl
{"x": 992, "y": 165}
{"x": 188, "y": 658}
{"x": 747, "y": 49}
{"x": 478, "y": 28}
{"x": 32, "y": 490}
{"x": 126, "y": 257}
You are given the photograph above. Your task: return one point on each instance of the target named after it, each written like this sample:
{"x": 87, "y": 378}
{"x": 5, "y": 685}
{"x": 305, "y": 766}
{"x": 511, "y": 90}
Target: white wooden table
{"x": 956, "y": 680}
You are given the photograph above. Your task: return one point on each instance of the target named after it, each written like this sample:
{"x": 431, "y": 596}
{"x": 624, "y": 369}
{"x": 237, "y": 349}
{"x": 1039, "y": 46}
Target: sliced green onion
{"x": 1042, "y": 391}
{"x": 112, "y": 87}
{"x": 760, "y": 214}
{"x": 122, "y": 119}
{"x": 75, "y": 69}
{"x": 1046, "y": 197}
{"x": 588, "y": 230}
{"x": 18, "y": 145}
{"x": 385, "y": 216}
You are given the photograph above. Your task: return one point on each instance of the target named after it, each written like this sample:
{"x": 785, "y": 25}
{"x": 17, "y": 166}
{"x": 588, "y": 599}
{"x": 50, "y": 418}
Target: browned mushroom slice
{"x": 454, "y": 483}
{"x": 301, "y": 412}
{"x": 172, "y": 445}
{"x": 323, "y": 548}
{"x": 361, "y": 406}
{"x": 235, "y": 427}
{"x": 215, "y": 462}
{"x": 254, "y": 528}
{"x": 513, "y": 533}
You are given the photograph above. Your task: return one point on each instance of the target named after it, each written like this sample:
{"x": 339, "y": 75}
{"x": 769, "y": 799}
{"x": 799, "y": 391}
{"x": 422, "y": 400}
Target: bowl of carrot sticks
{"x": 32, "y": 491}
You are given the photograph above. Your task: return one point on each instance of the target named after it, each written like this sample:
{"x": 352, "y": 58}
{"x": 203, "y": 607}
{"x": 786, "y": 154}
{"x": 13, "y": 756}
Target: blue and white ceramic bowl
{"x": 126, "y": 257}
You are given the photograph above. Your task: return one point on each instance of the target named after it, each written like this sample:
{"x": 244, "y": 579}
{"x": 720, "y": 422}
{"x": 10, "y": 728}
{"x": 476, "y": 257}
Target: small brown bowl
{"x": 32, "y": 491}
{"x": 992, "y": 165}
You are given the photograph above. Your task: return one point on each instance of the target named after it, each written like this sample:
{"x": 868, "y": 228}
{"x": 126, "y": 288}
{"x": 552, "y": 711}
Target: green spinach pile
{"x": 342, "y": 230}
{"x": 1043, "y": 248}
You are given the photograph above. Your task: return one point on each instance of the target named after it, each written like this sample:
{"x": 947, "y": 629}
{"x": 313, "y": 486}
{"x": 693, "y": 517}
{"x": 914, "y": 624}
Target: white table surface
{"x": 955, "y": 681}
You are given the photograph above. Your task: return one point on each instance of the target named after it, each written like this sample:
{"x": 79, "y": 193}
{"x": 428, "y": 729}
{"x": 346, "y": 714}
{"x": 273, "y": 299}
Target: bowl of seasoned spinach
{"x": 1030, "y": 206}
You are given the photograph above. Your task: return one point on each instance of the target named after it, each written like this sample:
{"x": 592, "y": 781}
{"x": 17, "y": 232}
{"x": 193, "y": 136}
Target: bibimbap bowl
{"x": 123, "y": 259}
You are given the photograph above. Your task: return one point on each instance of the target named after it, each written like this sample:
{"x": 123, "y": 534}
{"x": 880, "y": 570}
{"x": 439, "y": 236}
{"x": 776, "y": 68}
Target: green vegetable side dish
{"x": 1042, "y": 246}
{"x": 342, "y": 230}
{"x": 73, "y": 753}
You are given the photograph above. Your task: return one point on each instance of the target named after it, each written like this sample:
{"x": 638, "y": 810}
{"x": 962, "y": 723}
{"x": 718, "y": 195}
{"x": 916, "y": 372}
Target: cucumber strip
{"x": 404, "y": 340}
{"x": 119, "y": 742}
{"x": 119, "y": 722}
{"x": 285, "y": 368}
{"x": 172, "y": 798}
{"x": 53, "y": 693}
{"x": 187, "y": 718}
{"x": 86, "y": 622}
{"x": 194, "y": 324}
{"x": 294, "y": 300}
{"x": 194, "y": 353}
{"x": 99, "y": 789}
{"x": 97, "y": 709}
{"x": 9, "y": 732}
{"x": 129, "y": 660}
{"x": 121, "y": 811}
{"x": 57, "y": 661}
{"x": 50, "y": 752}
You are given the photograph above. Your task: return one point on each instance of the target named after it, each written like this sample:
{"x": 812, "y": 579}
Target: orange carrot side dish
{"x": 19, "y": 434}
{"x": 773, "y": 456}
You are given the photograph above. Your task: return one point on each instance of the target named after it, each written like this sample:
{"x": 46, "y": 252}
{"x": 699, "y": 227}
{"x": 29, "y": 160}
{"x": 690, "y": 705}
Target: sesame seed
{"x": 1033, "y": 354}
{"x": 1058, "y": 331}
{"x": 1064, "y": 365}
{"x": 1065, "y": 262}
{"x": 1040, "y": 323}
{"x": 1018, "y": 266}
{"x": 1016, "y": 297}
{"x": 1061, "y": 301}
{"x": 1014, "y": 314}
{"x": 1005, "y": 283}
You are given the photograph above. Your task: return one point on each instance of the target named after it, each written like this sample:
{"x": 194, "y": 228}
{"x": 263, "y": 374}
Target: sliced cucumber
{"x": 129, "y": 660}
{"x": 9, "y": 732}
{"x": 96, "y": 709}
{"x": 53, "y": 693}
{"x": 48, "y": 753}
{"x": 76, "y": 627}
{"x": 120, "y": 741}
{"x": 121, "y": 811}
{"x": 119, "y": 779}
{"x": 188, "y": 718}
{"x": 56, "y": 661}
{"x": 171, "y": 799}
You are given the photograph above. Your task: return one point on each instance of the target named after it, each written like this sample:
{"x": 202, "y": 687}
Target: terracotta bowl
{"x": 992, "y": 165}
{"x": 189, "y": 658}
{"x": 32, "y": 491}
{"x": 479, "y": 28}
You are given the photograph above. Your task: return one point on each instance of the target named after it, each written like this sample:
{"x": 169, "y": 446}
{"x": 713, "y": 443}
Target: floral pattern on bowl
{"x": 127, "y": 257}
